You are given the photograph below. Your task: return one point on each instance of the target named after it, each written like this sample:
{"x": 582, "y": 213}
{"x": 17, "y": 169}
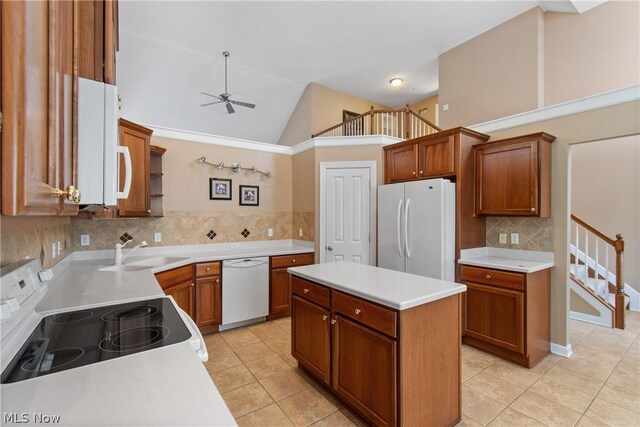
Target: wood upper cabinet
{"x": 401, "y": 163}
{"x": 280, "y": 282}
{"x": 138, "y": 139}
{"x": 513, "y": 176}
{"x": 436, "y": 157}
{"x": 98, "y": 40}
{"x": 39, "y": 107}
{"x": 311, "y": 337}
{"x": 365, "y": 370}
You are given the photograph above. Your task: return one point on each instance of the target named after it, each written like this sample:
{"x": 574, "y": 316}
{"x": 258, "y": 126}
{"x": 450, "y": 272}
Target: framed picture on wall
{"x": 249, "y": 195}
{"x": 219, "y": 189}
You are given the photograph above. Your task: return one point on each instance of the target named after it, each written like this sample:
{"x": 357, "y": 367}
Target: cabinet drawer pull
{"x": 487, "y": 277}
{"x": 421, "y": 172}
{"x": 533, "y": 209}
{"x": 358, "y": 311}
{"x": 208, "y": 268}
{"x": 293, "y": 260}
{"x": 413, "y": 173}
{"x": 306, "y": 291}
{"x": 333, "y": 321}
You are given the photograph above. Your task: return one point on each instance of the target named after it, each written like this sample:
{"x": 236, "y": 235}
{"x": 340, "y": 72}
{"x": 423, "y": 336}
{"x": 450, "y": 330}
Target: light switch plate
{"x": 157, "y": 237}
{"x": 270, "y": 232}
{"x": 503, "y": 238}
{"x": 54, "y": 247}
{"x": 299, "y": 232}
{"x": 85, "y": 240}
{"x": 515, "y": 239}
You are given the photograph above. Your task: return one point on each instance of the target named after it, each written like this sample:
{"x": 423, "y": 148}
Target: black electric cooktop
{"x": 78, "y": 338}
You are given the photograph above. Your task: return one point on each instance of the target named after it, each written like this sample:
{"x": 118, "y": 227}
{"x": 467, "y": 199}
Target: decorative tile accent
{"x": 245, "y": 233}
{"x": 211, "y": 234}
{"x": 536, "y": 234}
{"x": 126, "y": 237}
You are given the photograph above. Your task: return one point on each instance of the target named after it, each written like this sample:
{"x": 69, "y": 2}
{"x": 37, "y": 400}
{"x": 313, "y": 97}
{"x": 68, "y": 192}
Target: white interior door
{"x": 347, "y": 215}
{"x": 391, "y": 226}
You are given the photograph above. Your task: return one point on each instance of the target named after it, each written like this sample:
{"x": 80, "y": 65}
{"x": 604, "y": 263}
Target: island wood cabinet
{"x": 369, "y": 355}
{"x": 507, "y": 313}
{"x": 513, "y": 176}
{"x": 197, "y": 289}
{"x": 280, "y": 282}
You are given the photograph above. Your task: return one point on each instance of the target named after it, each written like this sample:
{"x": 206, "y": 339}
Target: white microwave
{"x": 98, "y": 146}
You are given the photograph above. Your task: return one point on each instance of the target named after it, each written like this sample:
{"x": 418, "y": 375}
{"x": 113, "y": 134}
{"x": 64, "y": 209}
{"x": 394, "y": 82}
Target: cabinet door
{"x": 183, "y": 294}
{"x": 310, "y": 337}
{"x": 138, "y": 140}
{"x": 436, "y": 157}
{"x": 364, "y": 370}
{"x": 208, "y": 301}
{"x": 507, "y": 179}
{"x": 38, "y": 105}
{"x": 401, "y": 163}
{"x": 495, "y": 315}
{"x": 280, "y": 291}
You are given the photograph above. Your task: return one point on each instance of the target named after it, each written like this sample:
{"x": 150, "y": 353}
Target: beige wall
{"x": 593, "y": 52}
{"x": 493, "y": 75}
{"x": 605, "y": 123}
{"x": 432, "y": 106}
{"x": 319, "y": 108}
{"x": 186, "y": 181}
{"x": 605, "y": 192}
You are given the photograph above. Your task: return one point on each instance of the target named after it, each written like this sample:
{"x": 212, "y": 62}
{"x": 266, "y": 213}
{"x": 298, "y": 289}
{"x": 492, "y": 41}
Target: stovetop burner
{"x": 78, "y": 338}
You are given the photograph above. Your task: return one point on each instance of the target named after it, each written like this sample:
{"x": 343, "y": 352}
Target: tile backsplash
{"x": 304, "y": 221}
{"x": 185, "y": 228}
{"x": 535, "y": 234}
{"x": 36, "y": 242}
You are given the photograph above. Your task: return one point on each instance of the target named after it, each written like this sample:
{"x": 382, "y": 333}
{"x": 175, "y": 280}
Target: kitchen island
{"x": 384, "y": 342}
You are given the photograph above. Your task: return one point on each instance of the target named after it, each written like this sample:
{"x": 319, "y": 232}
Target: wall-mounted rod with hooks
{"x": 235, "y": 167}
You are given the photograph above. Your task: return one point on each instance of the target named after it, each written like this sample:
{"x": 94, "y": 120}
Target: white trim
{"x": 589, "y": 318}
{"x": 373, "y": 176}
{"x": 561, "y": 350}
{"x": 580, "y": 105}
{"x": 344, "y": 141}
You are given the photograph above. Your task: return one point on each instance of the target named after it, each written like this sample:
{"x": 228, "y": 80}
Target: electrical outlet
{"x": 53, "y": 250}
{"x": 503, "y": 238}
{"x": 85, "y": 240}
{"x": 445, "y": 107}
{"x": 157, "y": 237}
{"x": 59, "y": 247}
{"x": 515, "y": 239}
{"x": 270, "y": 232}
{"x": 299, "y": 232}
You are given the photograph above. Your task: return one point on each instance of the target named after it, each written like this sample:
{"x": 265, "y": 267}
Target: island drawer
{"x": 284, "y": 261}
{"x": 207, "y": 269}
{"x": 372, "y": 315}
{"x": 311, "y": 291}
{"x": 487, "y": 276}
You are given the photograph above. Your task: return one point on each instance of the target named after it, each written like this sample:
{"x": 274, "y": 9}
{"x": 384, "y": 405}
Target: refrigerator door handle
{"x": 398, "y": 224}
{"x": 406, "y": 228}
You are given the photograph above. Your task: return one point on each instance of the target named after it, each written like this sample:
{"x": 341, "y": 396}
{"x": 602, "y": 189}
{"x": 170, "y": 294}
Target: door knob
{"x": 329, "y": 248}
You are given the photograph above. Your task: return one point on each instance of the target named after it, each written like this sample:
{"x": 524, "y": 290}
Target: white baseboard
{"x": 589, "y": 318}
{"x": 561, "y": 350}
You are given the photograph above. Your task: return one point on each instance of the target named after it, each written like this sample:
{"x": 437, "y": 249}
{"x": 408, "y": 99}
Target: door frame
{"x": 372, "y": 165}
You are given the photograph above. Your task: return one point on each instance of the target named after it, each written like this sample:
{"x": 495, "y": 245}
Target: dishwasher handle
{"x": 244, "y": 263}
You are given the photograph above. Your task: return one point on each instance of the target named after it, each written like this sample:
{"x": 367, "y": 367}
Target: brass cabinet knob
{"x": 293, "y": 260}
{"x": 358, "y": 311}
{"x": 333, "y": 321}
{"x": 306, "y": 291}
{"x": 533, "y": 209}
{"x": 324, "y": 317}
{"x": 413, "y": 173}
{"x": 217, "y": 280}
{"x": 148, "y": 210}
{"x": 421, "y": 172}
{"x": 487, "y": 277}
{"x": 71, "y": 193}
{"x": 208, "y": 268}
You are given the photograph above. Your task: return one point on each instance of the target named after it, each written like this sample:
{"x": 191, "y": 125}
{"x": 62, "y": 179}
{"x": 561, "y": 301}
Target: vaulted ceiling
{"x": 170, "y": 51}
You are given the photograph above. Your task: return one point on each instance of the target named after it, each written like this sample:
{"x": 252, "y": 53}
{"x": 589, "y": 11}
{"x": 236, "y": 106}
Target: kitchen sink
{"x": 144, "y": 264}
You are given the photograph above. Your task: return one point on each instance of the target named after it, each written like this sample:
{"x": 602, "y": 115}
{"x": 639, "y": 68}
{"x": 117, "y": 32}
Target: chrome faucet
{"x": 118, "y": 258}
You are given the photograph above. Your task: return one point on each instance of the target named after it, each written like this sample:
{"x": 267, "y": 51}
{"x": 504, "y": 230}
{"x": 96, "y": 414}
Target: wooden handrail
{"x": 346, "y": 122}
{"x": 594, "y": 230}
{"x": 425, "y": 120}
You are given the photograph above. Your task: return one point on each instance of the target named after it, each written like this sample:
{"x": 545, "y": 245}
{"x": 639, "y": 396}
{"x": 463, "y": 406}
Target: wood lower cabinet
{"x": 178, "y": 283}
{"x": 310, "y": 340}
{"x": 391, "y": 367}
{"x": 280, "y": 282}
{"x": 513, "y": 176}
{"x": 507, "y": 313}
{"x": 357, "y": 353}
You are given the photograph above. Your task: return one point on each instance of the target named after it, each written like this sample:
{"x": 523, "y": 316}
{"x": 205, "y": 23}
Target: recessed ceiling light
{"x": 396, "y": 81}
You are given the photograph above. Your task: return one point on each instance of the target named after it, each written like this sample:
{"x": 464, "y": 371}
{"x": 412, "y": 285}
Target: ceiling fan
{"x": 226, "y": 96}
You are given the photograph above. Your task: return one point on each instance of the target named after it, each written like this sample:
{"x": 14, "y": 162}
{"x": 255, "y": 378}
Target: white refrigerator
{"x": 416, "y": 228}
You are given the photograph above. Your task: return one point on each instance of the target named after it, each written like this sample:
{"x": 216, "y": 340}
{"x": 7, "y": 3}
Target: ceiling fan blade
{"x": 213, "y": 96}
{"x": 211, "y": 103}
{"x": 230, "y": 109}
{"x": 243, "y": 104}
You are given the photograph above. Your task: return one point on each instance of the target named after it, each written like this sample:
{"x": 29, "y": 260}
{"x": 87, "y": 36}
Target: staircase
{"x": 595, "y": 271}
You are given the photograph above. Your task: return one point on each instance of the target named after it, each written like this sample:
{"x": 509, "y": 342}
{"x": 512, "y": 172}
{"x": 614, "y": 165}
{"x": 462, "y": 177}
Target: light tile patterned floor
{"x": 598, "y": 386}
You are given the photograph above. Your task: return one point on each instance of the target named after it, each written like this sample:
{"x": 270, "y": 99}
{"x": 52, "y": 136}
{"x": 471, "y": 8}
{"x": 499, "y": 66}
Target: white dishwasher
{"x": 245, "y": 290}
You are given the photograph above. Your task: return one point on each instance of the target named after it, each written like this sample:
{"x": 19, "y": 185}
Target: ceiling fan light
{"x": 396, "y": 81}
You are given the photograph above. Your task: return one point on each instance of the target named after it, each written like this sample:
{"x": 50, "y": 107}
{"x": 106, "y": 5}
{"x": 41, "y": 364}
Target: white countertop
{"x": 168, "y": 386}
{"x": 507, "y": 259}
{"x": 390, "y": 288}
